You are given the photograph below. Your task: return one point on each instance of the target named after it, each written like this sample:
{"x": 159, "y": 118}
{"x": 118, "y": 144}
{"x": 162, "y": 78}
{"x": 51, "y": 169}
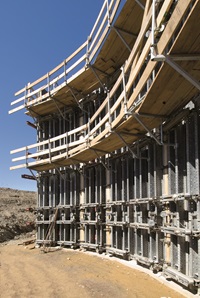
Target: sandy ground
{"x": 26, "y": 272}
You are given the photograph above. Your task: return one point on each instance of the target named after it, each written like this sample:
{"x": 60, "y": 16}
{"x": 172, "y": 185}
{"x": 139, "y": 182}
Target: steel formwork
{"x": 117, "y": 153}
{"x": 122, "y": 204}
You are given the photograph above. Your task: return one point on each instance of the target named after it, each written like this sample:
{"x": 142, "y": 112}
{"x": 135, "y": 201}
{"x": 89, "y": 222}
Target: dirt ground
{"x": 16, "y": 213}
{"x": 26, "y": 271}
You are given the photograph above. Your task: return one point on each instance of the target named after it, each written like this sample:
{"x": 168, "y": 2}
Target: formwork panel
{"x": 174, "y": 252}
{"x": 126, "y": 201}
{"x": 181, "y": 158}
{"x": 194, "y": 257}
{"x": 144, "y": 174}
{"x": 130, "y": 177}
{"x": 158, "y": 170}
{"x": 145, "y": 243}
{"x": 132, "y": 241}
{"x": 172, "y": 163}
{"x": 183, "y": 248}
{"x": 136, "y": 179}
{"x": 68, "y": 234}
{"x": 151, "y": 172}
{"x": 193, "y": 155}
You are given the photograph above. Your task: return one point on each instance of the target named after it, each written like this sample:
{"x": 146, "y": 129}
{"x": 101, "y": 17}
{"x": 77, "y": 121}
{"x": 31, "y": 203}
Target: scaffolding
{"x": 117, "y": 153}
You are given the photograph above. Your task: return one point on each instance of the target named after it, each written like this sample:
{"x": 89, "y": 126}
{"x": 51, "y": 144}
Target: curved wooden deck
{"x": 157, "y": 89}
{"x": 88, "y": 68}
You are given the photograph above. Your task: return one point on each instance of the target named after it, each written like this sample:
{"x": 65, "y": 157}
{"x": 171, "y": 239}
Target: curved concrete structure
{"x": 131, "y": 88}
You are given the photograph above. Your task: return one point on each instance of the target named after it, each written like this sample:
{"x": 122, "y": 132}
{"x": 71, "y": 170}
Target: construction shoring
{"x": 144, "y": 205}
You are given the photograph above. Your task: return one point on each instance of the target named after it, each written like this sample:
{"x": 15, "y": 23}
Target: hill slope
{"x": 16, "y": 212}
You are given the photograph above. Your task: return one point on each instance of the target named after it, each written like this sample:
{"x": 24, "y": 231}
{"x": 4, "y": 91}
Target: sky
{"x": 35, "y": 37}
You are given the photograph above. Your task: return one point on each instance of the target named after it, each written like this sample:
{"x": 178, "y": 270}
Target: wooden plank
{"x": 188, "y": 37}
{"x": 153, "y": 101}
{"x": 35, "y": 101}
{"x": 135, "y": 48}
{"x": 105, "y": 31}
{"x": 98, "y": 19}
{"x": 54, "y": 139}
{"x": 91, "y": 85}
{"x": 71, "y": 56}
{"x": 165, "y": 82}
{"x": 53, "y": 70}
{"x": 118, "y": 103}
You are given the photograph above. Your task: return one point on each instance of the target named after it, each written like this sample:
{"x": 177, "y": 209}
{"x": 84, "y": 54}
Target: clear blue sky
{"x": 35, "y": 37}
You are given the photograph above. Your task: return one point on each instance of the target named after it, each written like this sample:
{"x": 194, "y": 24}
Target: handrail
{"x": 57, "y": 138}
{"x": 89, "y": 52}
{"x": 97, "y": 36}
{"x": 103, "y": 121}
{"x": 82, "y": 144}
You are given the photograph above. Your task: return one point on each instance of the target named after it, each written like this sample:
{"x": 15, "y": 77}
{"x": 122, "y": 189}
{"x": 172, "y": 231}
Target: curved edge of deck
{"x": 131, "y": 114}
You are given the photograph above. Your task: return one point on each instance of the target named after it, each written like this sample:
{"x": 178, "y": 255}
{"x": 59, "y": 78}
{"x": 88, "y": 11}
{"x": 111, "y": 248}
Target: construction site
{"x": 117, "y": 146}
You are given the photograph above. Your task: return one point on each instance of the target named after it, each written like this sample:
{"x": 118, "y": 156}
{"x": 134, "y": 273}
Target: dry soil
{"x": 26, "y": 271}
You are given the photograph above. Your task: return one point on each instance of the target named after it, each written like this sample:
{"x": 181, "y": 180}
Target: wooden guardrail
{"x": 129, "y": 99}
{"x": 71, "y": 66}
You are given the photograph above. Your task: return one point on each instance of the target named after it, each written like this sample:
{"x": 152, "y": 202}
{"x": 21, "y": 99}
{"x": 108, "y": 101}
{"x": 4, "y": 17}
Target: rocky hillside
{"x": 17, "y": 213}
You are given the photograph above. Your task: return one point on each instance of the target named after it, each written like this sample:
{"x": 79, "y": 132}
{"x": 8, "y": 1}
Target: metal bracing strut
{"x": 121, "y": 37}
{"x": 99, "y": 70}
{"x": 99, "y": 150}
{"x": 96, "y": 75}
{"x": 184, "y": 73}
{"x": 183, "y": 57}
{"x": 100, "y": 159}
{"x": 74, "y": 96}
{"x": 54, "y": 100}
{"x": 140, "y": 4}
{"x": 61, "y": 175}
{"x": 36, "y": 178}
{"x": 125, "y": 143}
{"x": 136, "y": 116}
{"x": 167, "y": 58}
{"x": 176, "y": 67}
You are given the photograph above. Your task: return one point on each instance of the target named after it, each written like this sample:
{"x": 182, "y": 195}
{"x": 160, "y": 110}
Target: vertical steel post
{"x": 165, "y": 191}
{"x": 109, "y": 113}
{"x": 65, "y": 71}
{"x": 108, "y": 200}
{"x": 48, "y": 82}
{"x": 108, "y": 12}
{"x": 153, "y": 28}
{"x": 124, "y": 89}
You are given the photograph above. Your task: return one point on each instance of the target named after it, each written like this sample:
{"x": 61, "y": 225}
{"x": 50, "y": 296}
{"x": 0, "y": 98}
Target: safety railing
{"x": 141, "y": 77}
{"x": 72, "y": 66}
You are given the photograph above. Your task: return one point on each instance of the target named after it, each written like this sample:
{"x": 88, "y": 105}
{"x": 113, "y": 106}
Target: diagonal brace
{"x": 121, "y": 37}
{"x": 184, "y": 73}
{"x": 96, "y": 75}
{"x": 136, "y": 116}
{"x": 140, "y": 4}
{"x": 125, "y": 143}
{"x": 176, "y": 67}
{"x": 35, "y": 177}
